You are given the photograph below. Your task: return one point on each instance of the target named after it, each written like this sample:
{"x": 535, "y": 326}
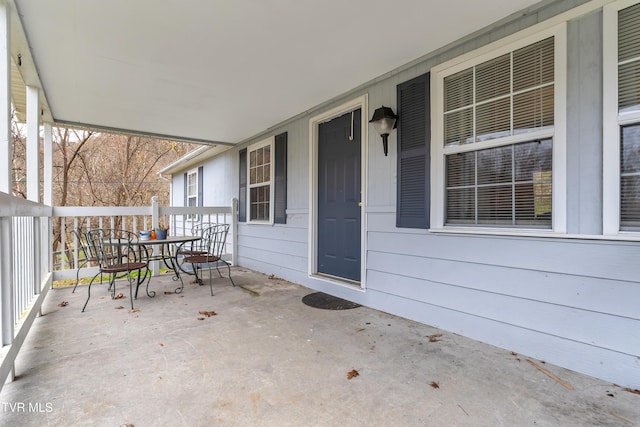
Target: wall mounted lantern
{"x": 384, "y": 121}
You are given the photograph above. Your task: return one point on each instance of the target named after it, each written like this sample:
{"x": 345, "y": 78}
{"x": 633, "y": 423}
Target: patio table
{"x": 166, "y": 256}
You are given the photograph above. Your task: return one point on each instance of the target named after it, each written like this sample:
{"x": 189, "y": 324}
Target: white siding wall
{"x": 573, "y": 302}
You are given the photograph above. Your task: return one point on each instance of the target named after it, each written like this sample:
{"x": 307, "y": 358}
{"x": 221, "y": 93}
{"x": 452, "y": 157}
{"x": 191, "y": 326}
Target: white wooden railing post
{"x": 234, "y": 231}
{"x": 37, "y": 255}
{"x": 6, "y": 280}
{"x": 155, "y": 217}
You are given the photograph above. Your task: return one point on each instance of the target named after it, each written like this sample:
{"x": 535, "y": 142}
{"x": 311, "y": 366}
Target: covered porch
{"x": 265, "y": 358}
{"x": 170, "y": 71}
{"x": 230, "y": 76}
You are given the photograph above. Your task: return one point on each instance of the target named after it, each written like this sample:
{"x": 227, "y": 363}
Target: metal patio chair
{"x": 192, "y": 248}
{"x": 89, "y": 256}
{"x": 207, "y": 253}
{"x": 119, "y": 253}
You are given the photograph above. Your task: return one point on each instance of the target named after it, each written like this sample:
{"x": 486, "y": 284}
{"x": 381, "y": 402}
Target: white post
{"x": 33, "y": 144}
{"x": 155, "y": 216}
{"x": 6, "y": 144}
{"x": 7, "y": 317}
{"x": 234, "y": 231}
{"x": 48, "y": 165}
{"x": 33, "y": 177}
{"x": 47, "y": 226}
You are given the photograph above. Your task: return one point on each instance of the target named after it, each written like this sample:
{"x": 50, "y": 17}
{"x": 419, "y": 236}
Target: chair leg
{"x": 89, "y": 291}
{"x": 211, "y": 278}
{"x": 77, "y": 280}
{"x": 141, "y": 281}
{"x": 195, "y": 272}
{"x": 131, "y": 290}
{"x": 229, "y": 268}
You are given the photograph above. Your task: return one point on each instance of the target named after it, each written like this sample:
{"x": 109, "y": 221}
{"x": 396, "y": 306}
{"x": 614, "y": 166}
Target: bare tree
{"x": 99, "y": 169}
{"x": 18, "y": 158}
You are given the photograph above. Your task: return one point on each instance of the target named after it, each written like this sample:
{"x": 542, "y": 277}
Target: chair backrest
{"x": 214, "y": 238}
{"x": 83, "y": 242}
{"x": 198, "y": 229}
{"x": 113, "y": 246}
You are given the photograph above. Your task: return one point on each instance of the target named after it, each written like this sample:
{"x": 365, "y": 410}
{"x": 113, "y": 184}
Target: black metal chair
{"x": 119, "y": 252}
{"x": 208, "y": 252}
{"x": 87, "y": 251}
{"x": 192, "y": 248}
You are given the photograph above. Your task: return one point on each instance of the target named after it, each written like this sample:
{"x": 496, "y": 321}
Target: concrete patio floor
{"x": 266, "y": 359}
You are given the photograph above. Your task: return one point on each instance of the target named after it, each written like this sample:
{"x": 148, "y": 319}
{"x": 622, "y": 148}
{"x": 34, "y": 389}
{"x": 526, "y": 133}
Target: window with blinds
{"x": 260, "y": 181}
{"x": 490, "y": 180}
{"x": 192, "y": 188}
{"x": 629, "y": 104}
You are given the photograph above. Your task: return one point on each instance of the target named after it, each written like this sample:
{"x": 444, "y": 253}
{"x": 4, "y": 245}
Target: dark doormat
{"x": 327, "y": 302}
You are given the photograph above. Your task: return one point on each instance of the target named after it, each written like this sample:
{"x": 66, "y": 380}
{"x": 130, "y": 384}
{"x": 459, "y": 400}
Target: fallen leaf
{"x": 435, "y": 337}
{"x": 632, "y": 390}
{"x": 168, "y": 292}
{"x": 135, "y": 310}
{"x": 119, "y": 296}
{"x": 361, "y": 329}
{"x": 119, "y": 307}
{"x": 161, "y": 345}
{"x": 207, "y": 313}
{"x": 435, "y": 384}
{"x": 64, "y": 303}
{"x": 352, "y": 374}
{"x": 200, "y": 318}
{"x": 513, "y": 353}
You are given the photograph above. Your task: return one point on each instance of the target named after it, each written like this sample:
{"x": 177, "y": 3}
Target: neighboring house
{"x": 507, "y": 210}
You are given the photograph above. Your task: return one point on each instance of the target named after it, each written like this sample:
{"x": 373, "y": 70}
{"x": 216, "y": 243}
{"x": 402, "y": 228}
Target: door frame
{"x": 362, "y": 103}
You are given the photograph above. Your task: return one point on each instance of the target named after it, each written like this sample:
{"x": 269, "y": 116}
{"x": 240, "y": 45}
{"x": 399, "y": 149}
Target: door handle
{"x": 360, "y": 204}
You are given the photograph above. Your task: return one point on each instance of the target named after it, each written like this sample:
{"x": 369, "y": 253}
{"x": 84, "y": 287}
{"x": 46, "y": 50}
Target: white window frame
{"x": 270, "y": 142}
{"x": 190, "y": 173}
{"x": 612, "y": 122}
{"x": 557, "y": 133}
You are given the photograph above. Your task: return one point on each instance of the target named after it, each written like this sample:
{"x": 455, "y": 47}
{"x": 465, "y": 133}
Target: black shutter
{"x": 242, "y": 191}
{"x": 414, "y": 139}
{"x": 200, "y": 186}
{"x": 280, "y": 202}
{"x": 185, "y": 190}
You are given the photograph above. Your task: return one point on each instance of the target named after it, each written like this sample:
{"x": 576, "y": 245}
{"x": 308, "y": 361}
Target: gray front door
{"x": 339, "y": 196}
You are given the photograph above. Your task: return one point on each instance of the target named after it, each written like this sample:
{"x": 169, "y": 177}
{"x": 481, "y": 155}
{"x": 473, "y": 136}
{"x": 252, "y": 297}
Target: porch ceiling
{"x": 222, "y": 71}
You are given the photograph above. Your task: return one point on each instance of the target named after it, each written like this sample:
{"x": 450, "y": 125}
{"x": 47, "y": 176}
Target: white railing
{"x": 25, "y": 272}
{"x": 28, "y": 265}
{"x": 180, "y": 219}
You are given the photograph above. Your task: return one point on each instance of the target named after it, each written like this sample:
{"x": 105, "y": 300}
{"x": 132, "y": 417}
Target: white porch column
{"x": 48, "y": 165}
{"x": 33, "y": 144}
{"x": 47, "y": 226}
{"x": 33, "y": 178}
{"x": 5, "y": 99}
{"x": 6, "y": 229}
{"x": 155, "y": 216}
